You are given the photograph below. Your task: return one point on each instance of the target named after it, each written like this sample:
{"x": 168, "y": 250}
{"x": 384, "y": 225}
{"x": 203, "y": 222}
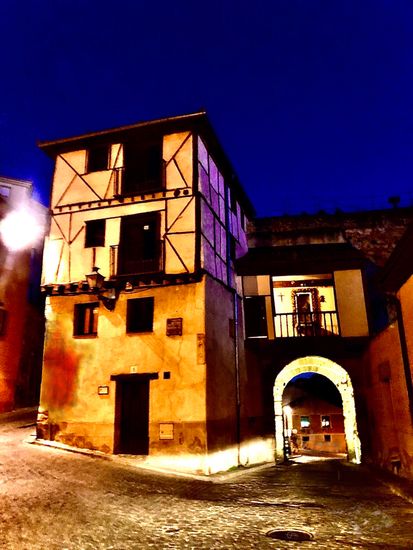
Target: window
{"x": 143, "y": 167}
{"x": 306, "y": 438}
{"x": 95, "y": 233}
{"x": 97, "y": 158}
{"x": 86, "y": 319}
{"x": 325, "y": 421}
{"x": 305, "y": 421}
{"x": 139, "y": 315}
{"x": 139, "y": 246}
{"x": 255, "y": 317}
{"x": 327, "y": 437}
{"x": 232, "y": 200}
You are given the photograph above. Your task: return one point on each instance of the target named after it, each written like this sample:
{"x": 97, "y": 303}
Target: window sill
{"x": 84, "y": 336}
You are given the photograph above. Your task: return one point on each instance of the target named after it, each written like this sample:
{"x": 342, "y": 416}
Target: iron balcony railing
{"x": 320, "y": 323}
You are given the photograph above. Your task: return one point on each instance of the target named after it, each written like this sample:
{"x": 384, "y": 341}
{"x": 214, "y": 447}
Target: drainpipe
{"x": 237, "y": 376}
{"x": 403, "y": 347}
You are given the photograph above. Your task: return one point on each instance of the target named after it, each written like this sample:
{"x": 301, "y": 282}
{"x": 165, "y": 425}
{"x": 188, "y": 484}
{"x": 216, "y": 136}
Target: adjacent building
{"x": 388, "y": 368}
{"x": 21, "y": 306}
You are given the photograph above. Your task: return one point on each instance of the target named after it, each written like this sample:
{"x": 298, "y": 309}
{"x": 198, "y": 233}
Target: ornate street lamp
{"x": 108, "y": 296}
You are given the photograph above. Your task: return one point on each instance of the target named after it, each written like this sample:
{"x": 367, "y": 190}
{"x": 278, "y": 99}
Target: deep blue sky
{"x": 312, "y": 100}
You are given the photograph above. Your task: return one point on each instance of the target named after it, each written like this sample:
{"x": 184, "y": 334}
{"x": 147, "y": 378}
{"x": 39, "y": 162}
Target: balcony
{"x": 301, "y": 325}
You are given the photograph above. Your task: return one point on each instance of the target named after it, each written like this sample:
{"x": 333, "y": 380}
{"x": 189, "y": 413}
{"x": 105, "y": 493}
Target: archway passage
{"x": 339, "y": 377}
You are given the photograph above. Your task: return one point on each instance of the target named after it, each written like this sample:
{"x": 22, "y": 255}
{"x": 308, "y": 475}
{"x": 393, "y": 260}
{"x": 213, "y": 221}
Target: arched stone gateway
{"x": 342, "y": 381}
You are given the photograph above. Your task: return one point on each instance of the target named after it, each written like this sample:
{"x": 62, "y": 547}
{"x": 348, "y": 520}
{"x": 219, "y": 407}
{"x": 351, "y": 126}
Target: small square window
{"x": 86, "y": 319}
{"x": 327, "y": 438}
{"x": 95, "y": 233}
{"x": 139, "y": 315}
{"x": 305, "y": 421}
{"x": 306, "y": 438}
{"x": 97, "y": 158}
{"x": 325, "y": 421}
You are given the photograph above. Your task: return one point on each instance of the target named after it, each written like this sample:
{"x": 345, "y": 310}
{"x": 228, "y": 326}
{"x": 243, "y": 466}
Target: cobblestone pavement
{"x": 52, "y": 499}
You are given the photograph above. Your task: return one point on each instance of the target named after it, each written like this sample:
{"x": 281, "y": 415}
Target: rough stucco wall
{"x": 14, "y": 282}
{"x": 406, "y": 300}
{"x": 391, "y": 432}
{"x": 220, "y": 359}
{"x": 75, "y": 367}
{"x": 375, "y": 233}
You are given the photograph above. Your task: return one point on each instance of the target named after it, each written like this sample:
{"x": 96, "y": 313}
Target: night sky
{"x": 311, "y": 100}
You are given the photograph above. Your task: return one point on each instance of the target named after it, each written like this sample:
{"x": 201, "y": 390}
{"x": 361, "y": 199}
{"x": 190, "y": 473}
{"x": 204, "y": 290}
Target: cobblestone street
{"x": 53, "y": 499}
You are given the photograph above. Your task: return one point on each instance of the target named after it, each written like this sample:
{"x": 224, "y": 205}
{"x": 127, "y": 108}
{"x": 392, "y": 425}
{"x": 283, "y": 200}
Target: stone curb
{"x": 214, "y": 478}
{"x": 18, "y": 414}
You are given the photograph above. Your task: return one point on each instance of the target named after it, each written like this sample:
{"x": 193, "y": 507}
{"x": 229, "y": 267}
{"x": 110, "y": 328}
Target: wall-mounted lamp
{"x": 108, "y": 296}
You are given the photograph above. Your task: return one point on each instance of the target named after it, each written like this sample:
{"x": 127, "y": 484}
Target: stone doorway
{"x": 340, "y": 378}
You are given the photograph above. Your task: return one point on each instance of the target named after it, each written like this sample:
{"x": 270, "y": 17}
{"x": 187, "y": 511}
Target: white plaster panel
{"x": 351, "y": 303}
{"x": 171, "y": 144}
{"x": 116, "y": 155}
{"x": 217, "y": 236}
{"x": 173, "y": 177}
{"x": 207, "y": 221}
{"x": 213, "y": 174}
{"x": 214, "y": 201}
{"x": 78, "y": 191}
{"x": 51, "y": 256}
{"x": 202, "y": 154}
{"x": 185, "y": 247}
{"x": 223, "y": 243}
{"x": 76, "y": 159}
{"x": 222, "y": 209}
{"x": 99, "y": 182}
{"x": 63, "y": 175}
{"x": 181, "y": 214}
{"x": 184, "y": 160}
{"x": 61, "y": 230}
{"x": 112, "y": 233}
{"x": 203, "y": 182}
{"x": 207, "y": 257}
{"x": 221, "y": 186}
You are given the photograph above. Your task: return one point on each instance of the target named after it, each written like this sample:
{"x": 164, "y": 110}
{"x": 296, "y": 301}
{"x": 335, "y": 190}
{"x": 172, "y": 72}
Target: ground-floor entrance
{"x": 132, "y": 415}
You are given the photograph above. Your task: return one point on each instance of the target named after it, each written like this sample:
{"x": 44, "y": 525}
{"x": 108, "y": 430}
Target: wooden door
{"x": 133, "y": 412}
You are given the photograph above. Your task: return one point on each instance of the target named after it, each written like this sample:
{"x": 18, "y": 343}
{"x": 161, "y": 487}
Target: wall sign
{"x": 103, "y": 390}
{"x": 174, "y": 327}
{"x": 166, "y": 431}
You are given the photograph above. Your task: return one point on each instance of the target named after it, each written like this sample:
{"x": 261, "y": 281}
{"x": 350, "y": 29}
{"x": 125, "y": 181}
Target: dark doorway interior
{"x": 132, "y": 416}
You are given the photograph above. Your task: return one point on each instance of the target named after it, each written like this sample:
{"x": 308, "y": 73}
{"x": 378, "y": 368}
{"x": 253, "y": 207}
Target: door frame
{"x": 147, "y": 376}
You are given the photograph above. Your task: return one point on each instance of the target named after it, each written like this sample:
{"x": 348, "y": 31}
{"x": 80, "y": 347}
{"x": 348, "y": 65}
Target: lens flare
{"x": 20, "y": 229}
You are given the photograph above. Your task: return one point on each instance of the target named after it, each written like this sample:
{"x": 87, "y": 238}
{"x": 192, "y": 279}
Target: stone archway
{"x": 340, "y": 379}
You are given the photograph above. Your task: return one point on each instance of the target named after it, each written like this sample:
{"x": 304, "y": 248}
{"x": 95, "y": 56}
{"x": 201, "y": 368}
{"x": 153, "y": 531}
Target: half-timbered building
{"x": 143, "y": 351}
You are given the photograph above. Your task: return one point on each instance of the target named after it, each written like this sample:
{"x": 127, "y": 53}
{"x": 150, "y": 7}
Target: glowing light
{"x": 340, "y": 378}
{"x": 20, "y": 229}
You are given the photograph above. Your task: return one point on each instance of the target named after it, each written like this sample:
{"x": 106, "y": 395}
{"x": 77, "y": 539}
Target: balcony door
{"x": 139, "y": 245}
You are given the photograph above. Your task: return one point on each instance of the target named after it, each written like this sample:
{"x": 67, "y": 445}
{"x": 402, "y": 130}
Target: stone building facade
{"x": 21, "y": 306}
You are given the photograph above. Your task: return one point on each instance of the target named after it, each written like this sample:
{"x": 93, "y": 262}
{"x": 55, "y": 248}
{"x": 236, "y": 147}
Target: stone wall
{"x": 374, "y": 232}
